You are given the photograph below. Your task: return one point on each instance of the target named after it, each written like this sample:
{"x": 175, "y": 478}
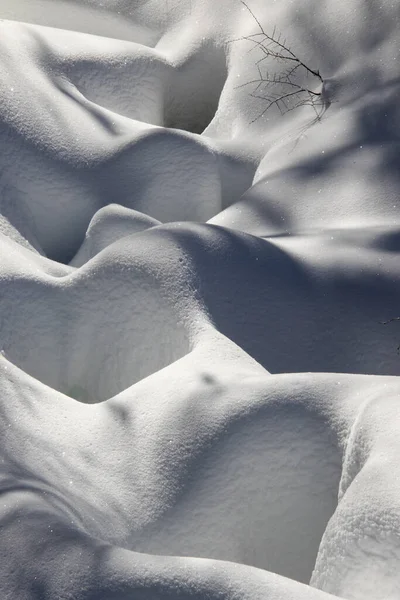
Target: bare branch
{"x": 293, "y": 93}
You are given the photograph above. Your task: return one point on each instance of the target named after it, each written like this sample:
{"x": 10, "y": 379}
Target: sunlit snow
{"x": 199, "y": 300}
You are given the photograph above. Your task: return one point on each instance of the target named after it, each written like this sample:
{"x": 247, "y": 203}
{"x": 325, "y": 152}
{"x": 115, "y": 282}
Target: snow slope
{"x": 199, "y": 301}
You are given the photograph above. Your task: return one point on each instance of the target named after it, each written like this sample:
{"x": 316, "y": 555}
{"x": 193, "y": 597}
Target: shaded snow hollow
{"x": 198, "y": 300}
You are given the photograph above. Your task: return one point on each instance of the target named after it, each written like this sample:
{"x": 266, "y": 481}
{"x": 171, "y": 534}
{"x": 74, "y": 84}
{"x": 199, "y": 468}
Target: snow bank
{"x": 198, "y": 302}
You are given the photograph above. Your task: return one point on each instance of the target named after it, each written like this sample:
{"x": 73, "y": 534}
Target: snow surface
{"x": 199, "y": 365}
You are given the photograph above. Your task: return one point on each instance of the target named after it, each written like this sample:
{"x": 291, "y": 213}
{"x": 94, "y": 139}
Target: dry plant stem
{"x": 390, "y": 320}
{"x": 272, "y": 46}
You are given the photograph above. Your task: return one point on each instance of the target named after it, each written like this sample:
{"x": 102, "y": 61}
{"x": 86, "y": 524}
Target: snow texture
{"x": 199, "y": 301}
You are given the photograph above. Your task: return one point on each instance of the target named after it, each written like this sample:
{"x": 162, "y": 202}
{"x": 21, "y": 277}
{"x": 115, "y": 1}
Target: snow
{"x": 199, "y": 302}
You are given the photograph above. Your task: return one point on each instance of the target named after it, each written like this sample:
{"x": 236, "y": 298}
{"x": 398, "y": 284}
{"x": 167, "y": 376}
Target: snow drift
{"x": 198, "y": 301}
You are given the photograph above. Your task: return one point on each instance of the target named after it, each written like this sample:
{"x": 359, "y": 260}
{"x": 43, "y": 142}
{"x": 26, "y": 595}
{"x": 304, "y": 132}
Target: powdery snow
{"x": 199, "y": 301}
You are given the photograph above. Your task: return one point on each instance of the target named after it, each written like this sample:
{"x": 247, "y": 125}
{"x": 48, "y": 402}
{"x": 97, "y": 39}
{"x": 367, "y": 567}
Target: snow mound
{"x": 199, "y": 292}
{"x": 109, "y": 224}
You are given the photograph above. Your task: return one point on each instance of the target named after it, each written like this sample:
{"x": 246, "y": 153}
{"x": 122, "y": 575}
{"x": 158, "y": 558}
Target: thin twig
{"x": 275, "y": 47}
{"x": 390, "y": 321}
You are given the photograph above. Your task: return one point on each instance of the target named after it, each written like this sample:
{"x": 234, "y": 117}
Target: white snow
{"x": 199, "y": 301}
